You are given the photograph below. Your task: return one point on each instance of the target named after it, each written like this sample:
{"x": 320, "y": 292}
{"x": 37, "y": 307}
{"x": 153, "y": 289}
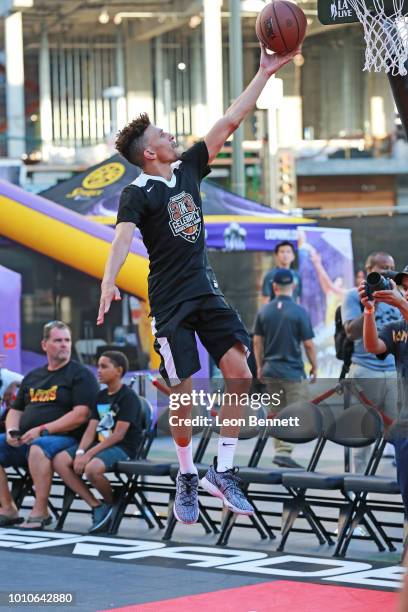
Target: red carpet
{"x": 279, "y": 596}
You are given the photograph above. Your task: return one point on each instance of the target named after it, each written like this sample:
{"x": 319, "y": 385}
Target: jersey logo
{"x": 150, "y": 188}
{"x": 185, "y": 220}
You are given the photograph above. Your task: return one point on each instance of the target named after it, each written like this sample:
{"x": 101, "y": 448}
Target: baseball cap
{"x": 283, "y": 276}
{"x": 398, "y": 277}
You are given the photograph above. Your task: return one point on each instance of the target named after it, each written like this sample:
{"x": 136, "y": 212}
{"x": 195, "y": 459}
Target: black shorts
{"x": 217, "y": 325}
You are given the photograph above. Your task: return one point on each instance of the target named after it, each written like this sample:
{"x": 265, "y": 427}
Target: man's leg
{"x": 95, "y": 473}
{"x": 238, "y": 378}
{"x": 7, "y": 506}
{"x": 180, "y": 431}
{"x": 221, "y": 479}
{"x": 9, "y": 456}
{"x": 40, "y": 467}
{"x": 294, "y": 391}
{"x": 372, "y": 383}
{"x": 401, "y": 458}
{"x": 186, "y": 501}
{"x": 63, "y": 465}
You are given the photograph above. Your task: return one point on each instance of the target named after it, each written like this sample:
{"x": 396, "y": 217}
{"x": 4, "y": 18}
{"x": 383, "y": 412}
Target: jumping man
{"x": 164, "y": 202}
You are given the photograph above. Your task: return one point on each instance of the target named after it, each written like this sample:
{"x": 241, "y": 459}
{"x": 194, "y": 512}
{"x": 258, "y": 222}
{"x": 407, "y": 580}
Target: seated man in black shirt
{"x": 112, "y": 435}
{"x": 165, "y": 203}
{"x": 52, "y": 404}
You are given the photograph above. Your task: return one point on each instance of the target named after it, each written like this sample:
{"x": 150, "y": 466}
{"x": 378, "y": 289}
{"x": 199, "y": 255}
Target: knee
{"x": 93, "y": 470}
{"x": 239, "y": 376}
{"x": 36, "y": 453}
{"x": 61, "y": 462}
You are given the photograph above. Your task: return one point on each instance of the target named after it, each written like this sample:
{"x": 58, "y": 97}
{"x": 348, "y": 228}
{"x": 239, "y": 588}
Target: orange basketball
{"x": 281, "y": 26}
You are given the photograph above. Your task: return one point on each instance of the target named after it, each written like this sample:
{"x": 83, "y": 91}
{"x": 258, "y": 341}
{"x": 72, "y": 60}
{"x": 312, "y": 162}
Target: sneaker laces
{"x": 234, "y": 482}
{"x": 187, "y": 489}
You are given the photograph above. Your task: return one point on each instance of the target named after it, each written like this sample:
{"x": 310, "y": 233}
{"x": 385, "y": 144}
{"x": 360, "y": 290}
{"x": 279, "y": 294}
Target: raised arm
{"x": 243, "y": 105}
{"x": 117, "y": 256}
{"x": 372, "y": 342}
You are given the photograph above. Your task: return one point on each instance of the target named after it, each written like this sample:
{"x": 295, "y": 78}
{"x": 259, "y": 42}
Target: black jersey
{"x": 170, "y": 218}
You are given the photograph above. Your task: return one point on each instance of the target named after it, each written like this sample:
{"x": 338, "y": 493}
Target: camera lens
{"x": 373, "y": 279}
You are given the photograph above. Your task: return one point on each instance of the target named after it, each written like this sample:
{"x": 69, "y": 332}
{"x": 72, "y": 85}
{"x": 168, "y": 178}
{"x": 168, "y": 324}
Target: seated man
{"x": 113, "y": 434}
{"x": 52, "y": 404}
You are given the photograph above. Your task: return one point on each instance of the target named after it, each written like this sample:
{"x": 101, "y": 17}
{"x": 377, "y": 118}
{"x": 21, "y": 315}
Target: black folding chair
{"x": 309, "y": 429}
{"x": 136, "y": 487}
{"x": 355, "y": 427}
{"x": 362, "y": 486}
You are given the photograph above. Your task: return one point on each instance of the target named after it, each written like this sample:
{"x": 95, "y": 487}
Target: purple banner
{"x": 236, "y": 236}
{"x": 326, "y": 270}
{"x": 10, "y": 336}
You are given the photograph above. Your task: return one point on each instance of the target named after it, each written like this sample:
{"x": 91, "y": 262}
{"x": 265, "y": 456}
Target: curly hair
{"x": 118, "y": 359}
{"x": 130, "y": 141}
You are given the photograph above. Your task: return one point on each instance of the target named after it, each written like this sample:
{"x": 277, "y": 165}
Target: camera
{"x": 378, "y": 282}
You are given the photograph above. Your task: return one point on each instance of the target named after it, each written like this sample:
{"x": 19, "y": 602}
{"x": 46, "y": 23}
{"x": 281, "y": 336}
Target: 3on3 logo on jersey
{"x": 185, "y": 219}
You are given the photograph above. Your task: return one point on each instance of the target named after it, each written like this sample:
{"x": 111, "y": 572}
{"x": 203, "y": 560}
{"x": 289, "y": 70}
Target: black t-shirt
{"x": 170, "y": 218}
{"x": 46, "y": 396}
{"x": 395, "y": 337}
{"x": 283, "y": 325}
{"x": 121, "y": 406}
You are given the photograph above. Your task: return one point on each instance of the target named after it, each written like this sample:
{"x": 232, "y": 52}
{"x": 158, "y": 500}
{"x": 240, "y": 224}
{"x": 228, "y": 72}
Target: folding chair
{"x": 135, "y": 488}
{"x": 310, "y": 428}
{"x": 362, "y": 506}
{"x": 355, "y": 427}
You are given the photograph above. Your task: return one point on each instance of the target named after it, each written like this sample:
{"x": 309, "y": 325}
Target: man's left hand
{"x": 272, "y": 62}
{"x": 30, "y": 435}
{"x": 390, "y": 296}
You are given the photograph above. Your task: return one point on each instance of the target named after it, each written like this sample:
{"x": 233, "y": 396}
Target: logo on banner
{"x": 185, "y": 219}
{"x": 339, "y": 9}
{"x": 95, "y": 182}
{"x": 234, "y": 237}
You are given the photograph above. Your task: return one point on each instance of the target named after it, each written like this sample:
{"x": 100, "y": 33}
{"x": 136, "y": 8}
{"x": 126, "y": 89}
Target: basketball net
{"x": 386, "y": 36}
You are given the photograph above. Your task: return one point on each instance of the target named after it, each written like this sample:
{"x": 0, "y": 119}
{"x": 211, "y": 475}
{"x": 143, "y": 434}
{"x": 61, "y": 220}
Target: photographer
{"x": 392, "y": 340}
{"x": 377, "y": 378}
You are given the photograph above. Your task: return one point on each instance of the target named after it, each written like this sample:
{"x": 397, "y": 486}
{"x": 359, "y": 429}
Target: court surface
{"x": 136, "y": 570}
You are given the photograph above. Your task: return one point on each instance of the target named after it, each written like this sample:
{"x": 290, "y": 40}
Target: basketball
{"x": 281, "y": 26}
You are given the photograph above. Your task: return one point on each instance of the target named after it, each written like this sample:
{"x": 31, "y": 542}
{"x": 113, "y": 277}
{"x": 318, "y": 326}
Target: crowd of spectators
{"x": 61, "y": 421}
{"x": 57, "y": 420}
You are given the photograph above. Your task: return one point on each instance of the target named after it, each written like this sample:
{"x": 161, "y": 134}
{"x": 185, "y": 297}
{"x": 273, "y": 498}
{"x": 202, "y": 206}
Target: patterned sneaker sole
{"x": 213, "y": 490}
{"x": 183, "y": 522}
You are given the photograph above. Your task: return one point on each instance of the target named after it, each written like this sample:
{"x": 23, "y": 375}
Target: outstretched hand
{"x": 109, "y": 294}
{"x": 272, "y": 62}
{"x": 390, "y": 296}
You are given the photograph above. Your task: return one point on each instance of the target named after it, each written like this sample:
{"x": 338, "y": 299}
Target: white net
{"x": 385, "y": 34}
